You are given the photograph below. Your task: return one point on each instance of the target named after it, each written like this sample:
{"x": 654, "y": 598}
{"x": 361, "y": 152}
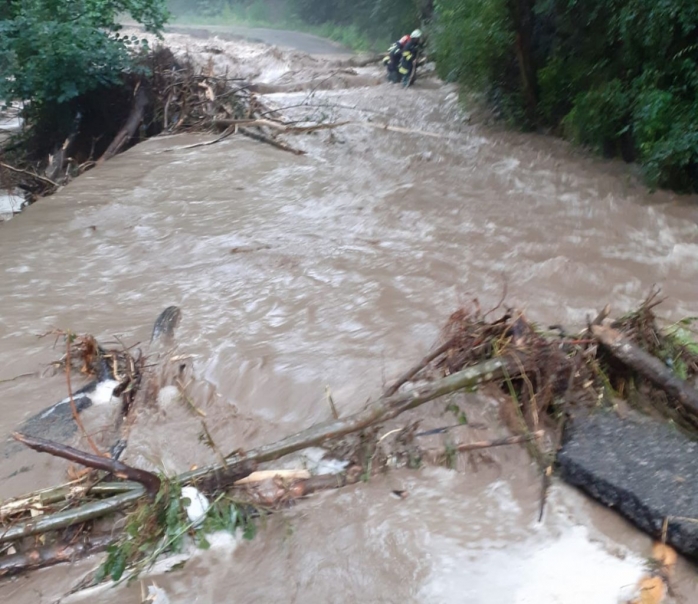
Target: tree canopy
{"x": 52, "y": 51}
{"x": 620, "y": 76}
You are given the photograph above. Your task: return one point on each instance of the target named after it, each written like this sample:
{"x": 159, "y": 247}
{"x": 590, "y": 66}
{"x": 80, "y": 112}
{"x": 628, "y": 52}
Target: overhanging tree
{"x": 52, "y": 51}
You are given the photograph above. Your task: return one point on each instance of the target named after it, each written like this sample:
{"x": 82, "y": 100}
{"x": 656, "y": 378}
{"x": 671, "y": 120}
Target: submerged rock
{"x": 644, "y": 468}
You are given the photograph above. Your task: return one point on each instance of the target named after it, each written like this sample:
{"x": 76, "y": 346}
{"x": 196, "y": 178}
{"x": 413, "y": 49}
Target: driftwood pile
{"x": 540, "y": 375}
{"x": 175, "y": 97}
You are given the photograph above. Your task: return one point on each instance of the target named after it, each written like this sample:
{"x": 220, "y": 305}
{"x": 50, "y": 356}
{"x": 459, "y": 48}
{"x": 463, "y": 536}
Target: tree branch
{"x": 60, "y": 520}
{"x": 149, "y": 480}
{"x": 381, "y": 410}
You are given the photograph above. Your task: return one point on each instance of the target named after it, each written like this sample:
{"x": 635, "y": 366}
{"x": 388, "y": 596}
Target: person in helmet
{"x": 392, "y": 60}
{"x": 408, "y": 59}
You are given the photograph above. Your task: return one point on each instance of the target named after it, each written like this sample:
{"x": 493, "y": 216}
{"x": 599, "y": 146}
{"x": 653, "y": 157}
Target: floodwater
{"x": 337, "y": 268}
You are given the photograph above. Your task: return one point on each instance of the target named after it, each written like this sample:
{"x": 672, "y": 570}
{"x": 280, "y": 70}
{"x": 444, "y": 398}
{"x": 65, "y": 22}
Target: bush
{"x": 473, "y": 40}
{"x": 620, "y": 77}
{"x": 54, "y": 51}
{"x": 598, "y": 117}
{"x": 356, "y": 23}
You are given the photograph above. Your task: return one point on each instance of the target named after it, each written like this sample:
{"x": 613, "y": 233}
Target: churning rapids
{"x": 338, "y": 268}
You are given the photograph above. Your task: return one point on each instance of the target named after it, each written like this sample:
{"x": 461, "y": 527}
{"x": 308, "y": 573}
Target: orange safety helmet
{"x": 404, "y": 40}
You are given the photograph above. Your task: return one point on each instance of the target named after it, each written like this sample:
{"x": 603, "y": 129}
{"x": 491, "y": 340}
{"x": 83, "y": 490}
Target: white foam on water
{"x": 10, "y": 203}
{"x": 555, "y": 562}
{"x": 575, "y": 570}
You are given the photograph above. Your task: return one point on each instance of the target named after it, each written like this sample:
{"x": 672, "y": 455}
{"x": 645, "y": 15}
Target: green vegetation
{"x": 75, "y": 74}
{"x": 53, "y": 51}
{"x": 162, "y": 527}
{"x": 359, "y": 24}
{"x": 620, "y": 77}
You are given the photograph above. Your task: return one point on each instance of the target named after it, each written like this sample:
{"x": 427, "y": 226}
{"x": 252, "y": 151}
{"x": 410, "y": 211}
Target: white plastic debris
{"x": 315, "y": 460}
{"x": 198, "y": 505}
{"x": 167, "y": 396}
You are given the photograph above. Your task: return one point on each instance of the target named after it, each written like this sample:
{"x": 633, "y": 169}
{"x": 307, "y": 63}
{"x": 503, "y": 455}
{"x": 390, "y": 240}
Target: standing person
{"x": 394, "y": 57}
{"x": 408, "y": 60}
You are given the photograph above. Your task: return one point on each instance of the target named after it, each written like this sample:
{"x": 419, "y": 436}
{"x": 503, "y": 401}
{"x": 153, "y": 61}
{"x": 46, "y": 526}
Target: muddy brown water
{"x": 338, "y": 268}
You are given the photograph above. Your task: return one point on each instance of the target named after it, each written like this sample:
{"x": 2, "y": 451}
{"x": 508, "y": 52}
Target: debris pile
{"x": 549, "y": 382}
{"x": 175, "y": 96}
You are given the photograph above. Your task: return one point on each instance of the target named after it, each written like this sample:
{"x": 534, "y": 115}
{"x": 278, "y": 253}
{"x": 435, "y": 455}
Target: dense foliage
{"x": 372, "y": 19}
{"x": 52, "y": 51}
{"x": 620, "y": 76}
{"x": 381, "y": 18}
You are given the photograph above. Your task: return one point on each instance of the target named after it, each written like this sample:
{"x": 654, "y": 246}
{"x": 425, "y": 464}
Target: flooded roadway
{"x": 338, "y": 268}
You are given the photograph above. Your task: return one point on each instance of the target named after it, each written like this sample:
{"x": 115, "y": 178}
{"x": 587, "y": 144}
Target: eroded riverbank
{"x": 339, "y": 267}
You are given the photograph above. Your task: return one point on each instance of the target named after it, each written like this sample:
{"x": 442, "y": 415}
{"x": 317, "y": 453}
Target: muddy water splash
{"x": 338, "y": 268}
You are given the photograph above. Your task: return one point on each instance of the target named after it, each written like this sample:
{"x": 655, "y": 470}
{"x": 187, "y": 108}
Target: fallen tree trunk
{"x": 238, "y": 465}
{"x": 648, "y": 366}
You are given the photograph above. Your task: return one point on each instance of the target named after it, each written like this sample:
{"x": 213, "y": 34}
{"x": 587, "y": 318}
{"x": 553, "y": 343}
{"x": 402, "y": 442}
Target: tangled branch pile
{"x": 551, "y": 371}
{"x": 176, "y": 96}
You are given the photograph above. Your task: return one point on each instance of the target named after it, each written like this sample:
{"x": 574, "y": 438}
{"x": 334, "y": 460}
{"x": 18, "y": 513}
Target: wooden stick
{"x": 263, "y": 475}
{"x": 73, "y": 407}
{"x": 270, "y": 141}
{"x": 32, "y": 174}
{"x": 648, "y": 366}
{"x": 399, "y": 129}
{"x": 602, "y": 316}
{"x": 223, "y": 136}
{"x": 212, "y": 443}
{"x": 408, "y": 375}
{"x": 149, "y": 480}
{"x": 19, "y": 377}
{"x": 489, "y": 444}
{"x": 500, "y": 442}
{"x": 187, "y": 399}
{"x": 330, "y": 402}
